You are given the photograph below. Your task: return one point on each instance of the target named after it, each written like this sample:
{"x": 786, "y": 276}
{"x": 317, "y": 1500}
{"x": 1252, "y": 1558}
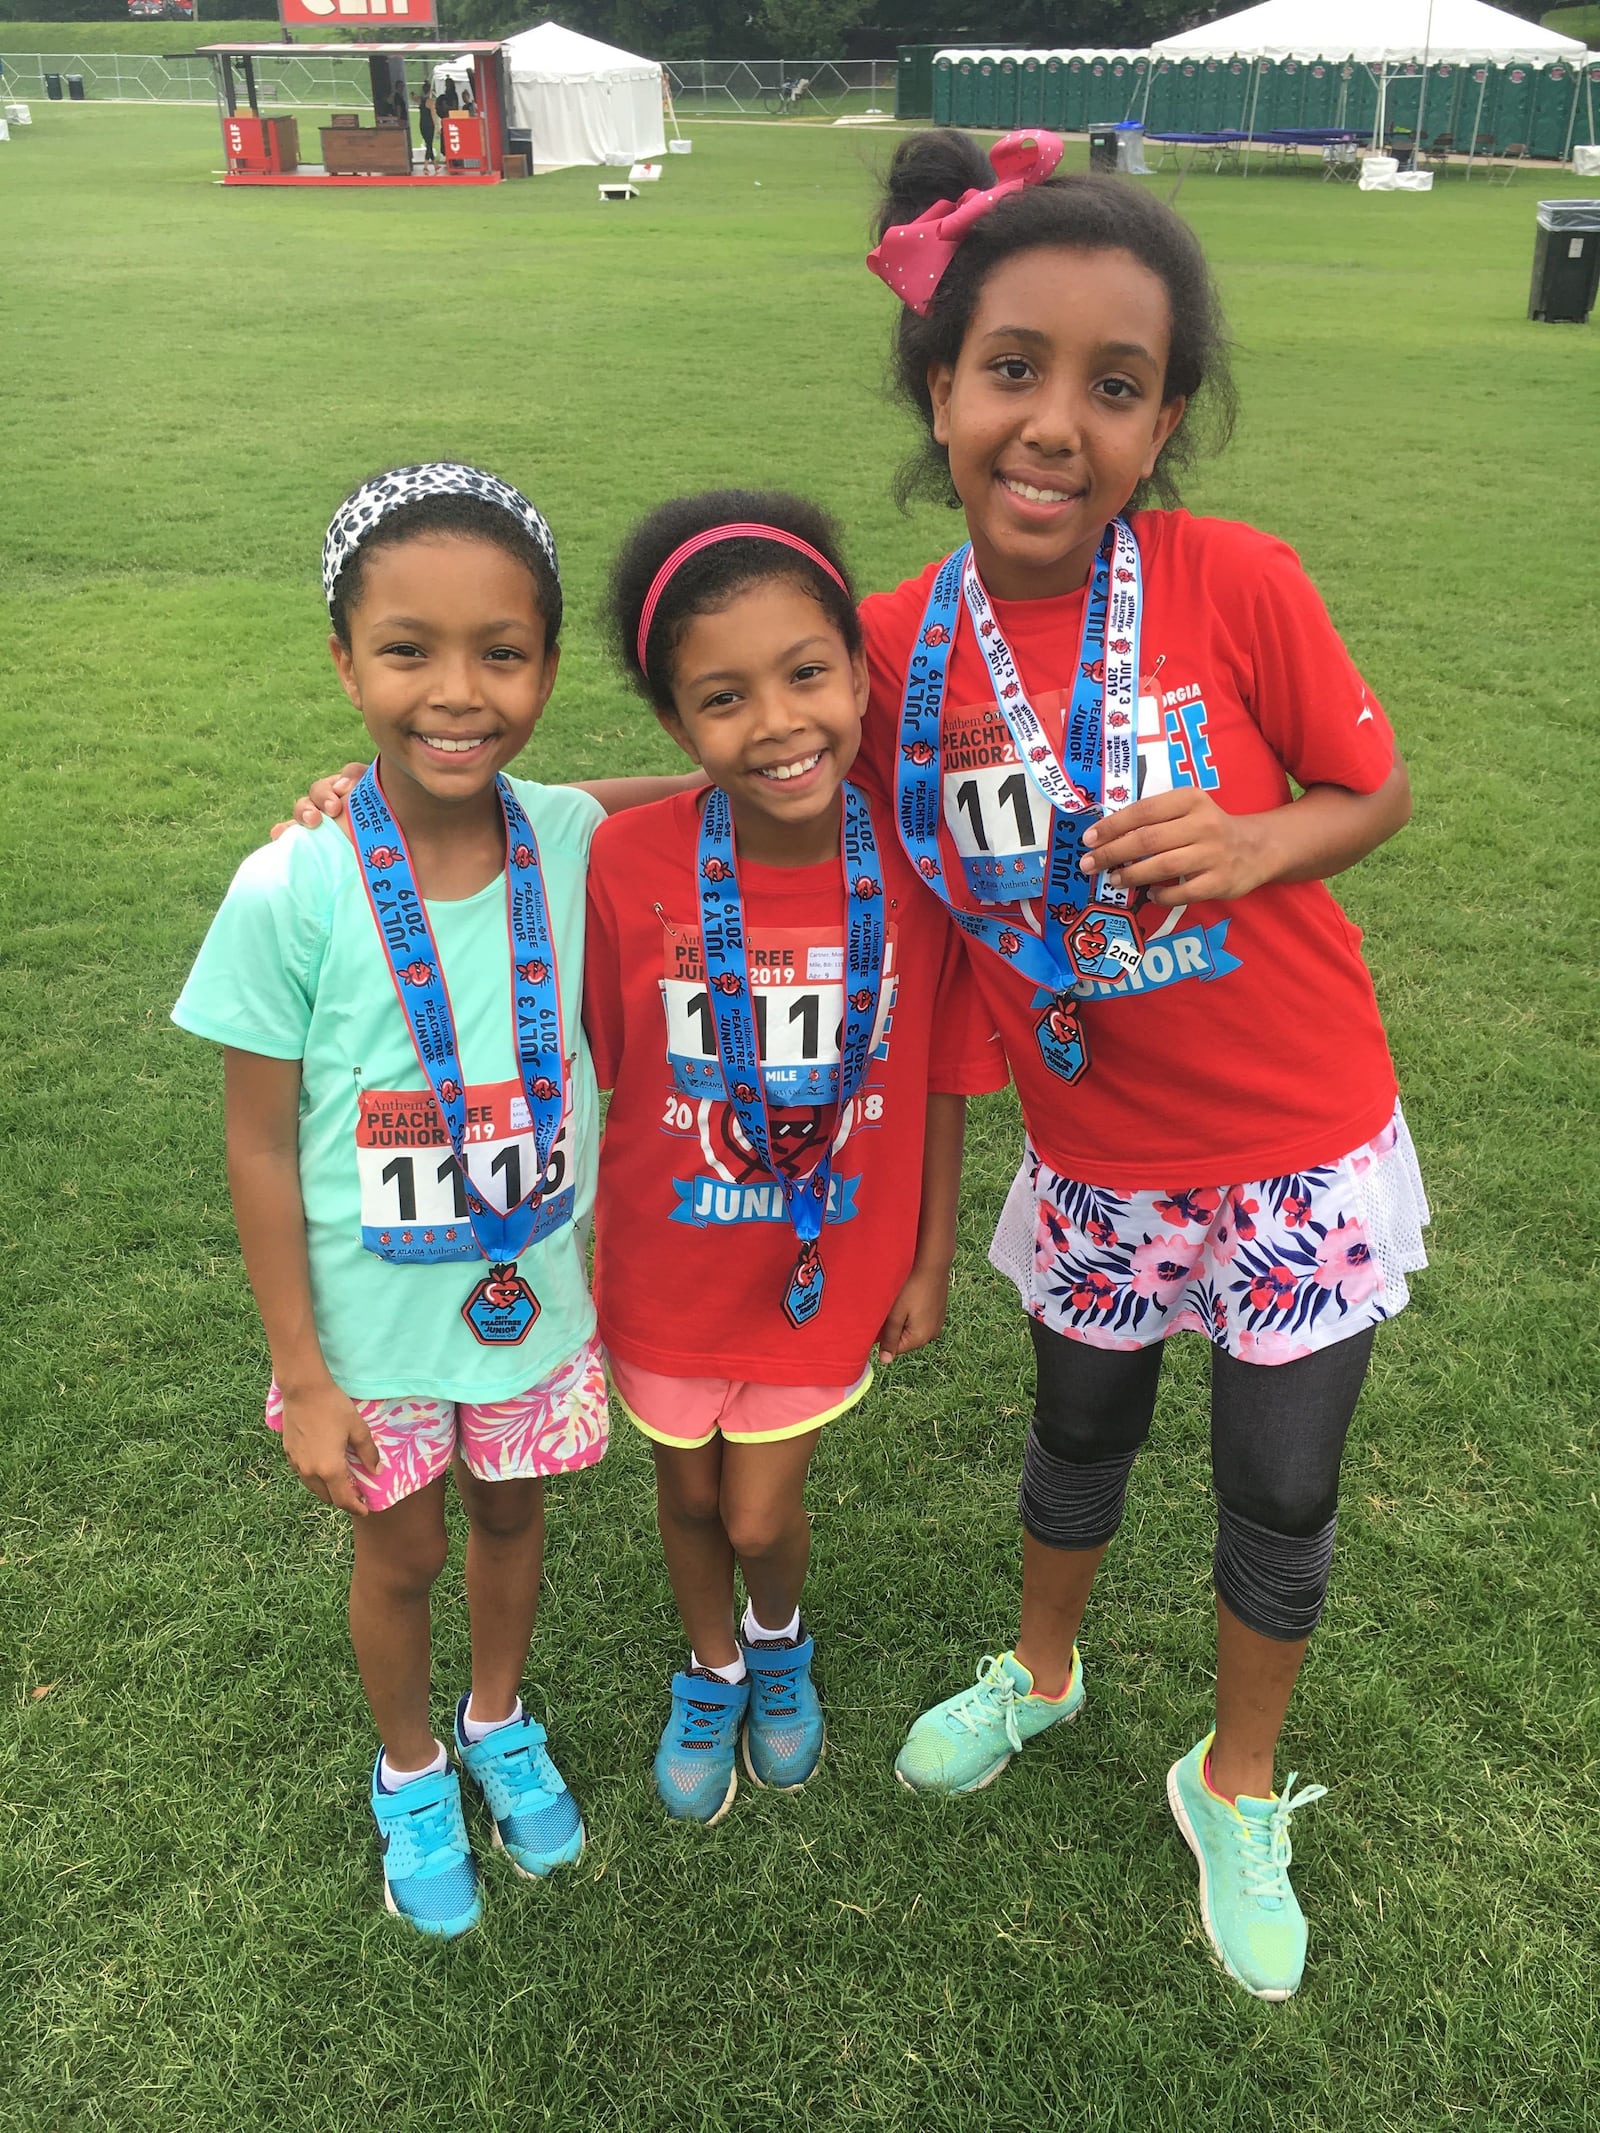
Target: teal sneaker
{"x": 536, "y": 1820}
{"x": 783, "y": 1730}
{"x": 429, "y": 1878}
{"x": 1246, "y": 1904}
{"x": 696, "y": 1771}
{"x": 964, "y": 1743}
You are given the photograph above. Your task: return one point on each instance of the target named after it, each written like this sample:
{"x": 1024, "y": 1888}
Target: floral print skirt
{"x": 1268, "y": 1270}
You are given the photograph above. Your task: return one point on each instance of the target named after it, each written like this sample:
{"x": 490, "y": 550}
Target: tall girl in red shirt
{"x": 1090, "y": 716}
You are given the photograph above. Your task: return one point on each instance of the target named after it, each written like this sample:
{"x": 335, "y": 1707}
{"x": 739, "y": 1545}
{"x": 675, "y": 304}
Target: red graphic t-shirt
{"x": 693, "y": 1249}
{"x": 1248, "y": 1042}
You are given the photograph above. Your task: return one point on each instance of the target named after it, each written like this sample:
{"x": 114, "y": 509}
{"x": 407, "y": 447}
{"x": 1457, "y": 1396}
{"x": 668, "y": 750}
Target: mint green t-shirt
{"x": 293, "y": 968}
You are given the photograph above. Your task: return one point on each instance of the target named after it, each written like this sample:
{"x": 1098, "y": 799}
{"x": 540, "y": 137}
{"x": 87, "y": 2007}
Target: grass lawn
{"x": 157, "y": 37}
{"x": 190, "y": 1929}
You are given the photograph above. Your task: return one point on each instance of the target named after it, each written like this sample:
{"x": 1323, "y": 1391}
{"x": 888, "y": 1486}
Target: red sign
{"x": 323, "y": 14}
{"x": 463, "y": 139}
{"x": 246, "y": 144}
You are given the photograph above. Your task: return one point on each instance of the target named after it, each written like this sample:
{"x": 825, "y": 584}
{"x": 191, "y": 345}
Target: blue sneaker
{"x": 1247, "y": 1907}
{"x": 696, "y": 1773}
{"x": 964, "y": 1743}
{"x": 429, "y": 1878}
{"x": 784, "y": 1729}
{"x": 536, "y": 1820}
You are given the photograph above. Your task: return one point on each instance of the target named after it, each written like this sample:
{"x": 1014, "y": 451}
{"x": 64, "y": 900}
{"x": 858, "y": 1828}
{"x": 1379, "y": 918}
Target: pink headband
{"x": 912, "y": 256}
{"x": 743, "y": 531}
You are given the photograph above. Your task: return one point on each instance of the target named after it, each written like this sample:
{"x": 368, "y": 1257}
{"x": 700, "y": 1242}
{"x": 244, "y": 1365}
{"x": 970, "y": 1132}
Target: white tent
{"x": 1383, "y": 36}
{"x": 1462, "y": 32}
{"x": 581, "y": 101}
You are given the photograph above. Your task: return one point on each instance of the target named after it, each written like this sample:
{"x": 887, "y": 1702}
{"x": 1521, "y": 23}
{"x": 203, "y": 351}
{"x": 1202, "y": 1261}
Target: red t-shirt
{"x": 693, "y": 1249}
{"x": 1248, "y": 1043}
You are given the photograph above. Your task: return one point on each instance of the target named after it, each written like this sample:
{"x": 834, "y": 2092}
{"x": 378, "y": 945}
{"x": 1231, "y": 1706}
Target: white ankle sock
{"x": 732, "y": 1673}
{"x": 477, "y": 1729}
{"x": 391, "y": 1779}
{"x": 754, "y": 1633}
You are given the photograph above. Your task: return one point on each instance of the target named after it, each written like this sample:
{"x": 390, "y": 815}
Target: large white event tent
{"x": 582, "y": 101}
{"x": 1461, "y": 32}
{"x": 1378, "y": 34}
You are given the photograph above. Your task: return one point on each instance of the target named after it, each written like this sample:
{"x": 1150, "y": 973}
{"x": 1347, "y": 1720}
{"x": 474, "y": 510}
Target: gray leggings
{"x": 1277, "y": 1436}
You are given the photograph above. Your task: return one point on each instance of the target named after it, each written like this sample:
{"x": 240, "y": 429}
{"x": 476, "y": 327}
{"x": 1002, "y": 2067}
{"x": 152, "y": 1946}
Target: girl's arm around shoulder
{"x": 320, "y": 1424}
{"x": 916, "y": 1316}
{"x": 325, "y": 800}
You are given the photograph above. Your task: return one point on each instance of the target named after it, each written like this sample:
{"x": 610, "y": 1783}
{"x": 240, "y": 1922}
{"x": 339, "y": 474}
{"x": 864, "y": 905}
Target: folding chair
{"x": 1439, "y": 151}
{"x": 1511, "y": 155}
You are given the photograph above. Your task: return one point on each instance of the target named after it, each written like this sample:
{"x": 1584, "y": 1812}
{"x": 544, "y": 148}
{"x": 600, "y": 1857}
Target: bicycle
{"x": 784, "y": 101}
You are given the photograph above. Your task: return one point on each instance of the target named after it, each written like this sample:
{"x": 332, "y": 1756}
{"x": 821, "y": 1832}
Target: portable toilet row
{"x": 992, "y": 89}
{"x": 1068, "y": 91}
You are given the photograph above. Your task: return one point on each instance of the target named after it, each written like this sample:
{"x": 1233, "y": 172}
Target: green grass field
{"x": 190, "y": 1927}
{"x": 157, "y": 37}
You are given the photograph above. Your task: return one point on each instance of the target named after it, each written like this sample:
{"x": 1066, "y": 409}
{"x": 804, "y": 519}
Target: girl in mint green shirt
{"x": 372, "y": 1168}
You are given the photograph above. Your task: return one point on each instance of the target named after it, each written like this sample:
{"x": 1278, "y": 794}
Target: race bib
{"x": 997, "y": 820}
{"x": 797, "y": 991}
{"x": 413, "y": 1196}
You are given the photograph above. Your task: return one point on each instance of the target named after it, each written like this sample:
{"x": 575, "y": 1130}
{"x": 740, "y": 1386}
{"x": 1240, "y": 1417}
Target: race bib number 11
{"x": 413, "y": 1195}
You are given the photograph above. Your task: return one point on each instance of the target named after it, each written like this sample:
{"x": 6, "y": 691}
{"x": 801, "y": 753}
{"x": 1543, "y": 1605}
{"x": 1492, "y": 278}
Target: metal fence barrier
{"x": 755, "y": 88}
{"x": 142, "y": 78}
{"x": 703, "y": 88}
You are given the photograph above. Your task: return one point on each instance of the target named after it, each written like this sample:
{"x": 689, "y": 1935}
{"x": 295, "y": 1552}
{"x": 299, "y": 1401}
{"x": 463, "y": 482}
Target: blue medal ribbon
{"x": 1081, "y": 935}
{"x": 722, "y": 940}
{"x": 502, "y": 1308}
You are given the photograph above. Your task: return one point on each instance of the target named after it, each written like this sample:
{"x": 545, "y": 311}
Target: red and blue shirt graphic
{"x": 692, "y": 1245}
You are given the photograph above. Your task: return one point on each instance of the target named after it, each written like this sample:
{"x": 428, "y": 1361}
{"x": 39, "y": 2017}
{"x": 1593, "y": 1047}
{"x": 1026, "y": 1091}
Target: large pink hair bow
{"x": 912, "y": 256}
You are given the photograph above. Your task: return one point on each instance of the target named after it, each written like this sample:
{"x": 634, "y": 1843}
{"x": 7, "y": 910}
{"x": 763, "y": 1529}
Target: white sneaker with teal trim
{"x": 1246, "y": 1904}
{"x": 964, "y": 1743}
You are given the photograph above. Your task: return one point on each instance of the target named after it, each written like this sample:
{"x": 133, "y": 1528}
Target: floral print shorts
{"x": 1269, "y": 1270}
{"x": 554, "y": 1427}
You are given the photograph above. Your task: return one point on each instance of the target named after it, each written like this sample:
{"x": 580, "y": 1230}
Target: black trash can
{"x": 1566, "y": 262}
{"x": 1103, "y": 148}
{"x": 52, "y": 87}
{"x": 75, "y": 87}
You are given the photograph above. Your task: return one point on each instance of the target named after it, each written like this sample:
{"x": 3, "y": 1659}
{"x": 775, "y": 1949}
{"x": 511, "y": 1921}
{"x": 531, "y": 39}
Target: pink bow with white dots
{"x": 912, "y": 256}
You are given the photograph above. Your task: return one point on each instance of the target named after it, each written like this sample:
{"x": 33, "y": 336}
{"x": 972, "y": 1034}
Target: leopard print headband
{"x": 362, "y": 512}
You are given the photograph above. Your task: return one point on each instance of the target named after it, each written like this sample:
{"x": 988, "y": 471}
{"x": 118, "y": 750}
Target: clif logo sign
{"x": 312, "y": 14}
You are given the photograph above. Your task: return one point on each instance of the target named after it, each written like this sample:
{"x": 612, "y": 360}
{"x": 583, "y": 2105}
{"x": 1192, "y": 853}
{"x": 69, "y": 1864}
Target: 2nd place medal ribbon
{"x": 722, "y": 939}
{"x": 502, "y": 1308}
{"x": 1086, "y": 933}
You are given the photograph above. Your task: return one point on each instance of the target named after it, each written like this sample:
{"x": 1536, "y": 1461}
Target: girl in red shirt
{"x": 1090, "y": 716}
{"x": 789, "y": 1029}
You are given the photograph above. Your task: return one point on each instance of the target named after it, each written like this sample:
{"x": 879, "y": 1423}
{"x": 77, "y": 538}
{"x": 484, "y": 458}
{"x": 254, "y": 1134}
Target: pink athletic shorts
{"x": 554, "y": 1427}
{"x": 689, "y": 1412}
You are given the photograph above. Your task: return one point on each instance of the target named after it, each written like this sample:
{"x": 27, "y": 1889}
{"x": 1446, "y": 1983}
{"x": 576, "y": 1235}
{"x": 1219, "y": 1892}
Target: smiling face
{"x": 768, "y": 700}
{"x": 1052, "y": 413}
{"x": 448, "y": 666}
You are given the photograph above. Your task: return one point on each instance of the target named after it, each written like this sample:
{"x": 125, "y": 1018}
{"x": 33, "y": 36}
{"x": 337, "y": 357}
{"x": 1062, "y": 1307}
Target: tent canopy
{"x": 1463, "y": 32}
{"x": 582, "y": 101}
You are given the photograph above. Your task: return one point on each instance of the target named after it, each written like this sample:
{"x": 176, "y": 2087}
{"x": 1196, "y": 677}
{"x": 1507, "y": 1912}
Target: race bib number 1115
{"x": 413, "y": 1195}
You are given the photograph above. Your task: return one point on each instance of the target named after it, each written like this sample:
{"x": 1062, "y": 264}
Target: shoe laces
{"x": 432, "y": 1829}
{"x": 699, "y": 1723}
{"x": 993, "y": 1695}
{"x": 778, "y": 1691}
{"x": 1265, "y": 1842}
